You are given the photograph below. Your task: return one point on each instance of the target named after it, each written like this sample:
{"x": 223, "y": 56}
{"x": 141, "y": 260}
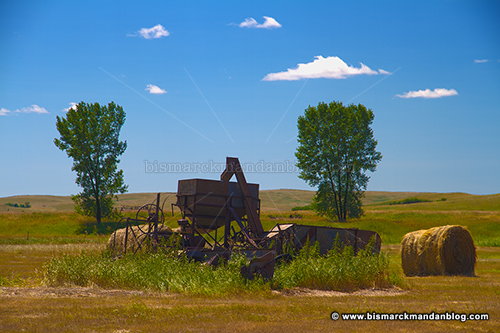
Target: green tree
{"x": 90, "y": 135}
{"x": 336, "y": 148}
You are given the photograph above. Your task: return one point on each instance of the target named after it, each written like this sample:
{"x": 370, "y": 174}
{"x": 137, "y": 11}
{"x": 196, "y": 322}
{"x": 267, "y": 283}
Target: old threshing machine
{"x": 222, "y": 217}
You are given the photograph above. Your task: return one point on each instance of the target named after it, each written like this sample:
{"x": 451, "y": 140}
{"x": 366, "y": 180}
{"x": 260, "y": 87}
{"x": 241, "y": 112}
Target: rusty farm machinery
{"x": 222, "y": 217}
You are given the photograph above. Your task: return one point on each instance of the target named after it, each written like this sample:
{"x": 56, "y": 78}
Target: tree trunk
{"x": 348, "y": 175}
{"x": 98, "y": 210}
{"x": 332, "y": 183}
{"x": 340, "y": 211}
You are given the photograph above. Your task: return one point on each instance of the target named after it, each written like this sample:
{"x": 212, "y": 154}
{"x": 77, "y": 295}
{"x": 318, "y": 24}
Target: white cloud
{"x": 4, "y": 112}
{"x": 33, "y": 109}
{"x": 427, "y": 93}
{"x": 72, "y": 105}
{"x": 30, "y": 109}
{"x": 329, "y": 68}
{"x": 269, "y": 23}
{"x": 157, "y": 31}
{"x": 155, "y": 89}
{"x": 480, "y": 61}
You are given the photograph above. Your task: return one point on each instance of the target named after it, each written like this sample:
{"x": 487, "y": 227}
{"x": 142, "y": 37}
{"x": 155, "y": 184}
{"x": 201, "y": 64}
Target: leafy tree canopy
{"x": 89, "y": 134}
{"x": 336, "y": 148}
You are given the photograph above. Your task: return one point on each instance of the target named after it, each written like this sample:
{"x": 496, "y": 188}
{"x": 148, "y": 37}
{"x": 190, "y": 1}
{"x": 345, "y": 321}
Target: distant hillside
{"x": 53, "y": 203}
{"x": 273, "y": 200}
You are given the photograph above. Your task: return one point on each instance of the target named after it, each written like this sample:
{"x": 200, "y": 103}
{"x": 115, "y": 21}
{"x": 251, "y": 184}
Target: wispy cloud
{"x": 155, "y": 89}
{"x": 155, "y": 32}
{"x": 427, "y": 93}
{"x": 72, "y": 105}
{"x": 480, "y": 61}
{"x": 269, "y": 23}
{"x": 33, "y": 109}
{"x": 329, "y": 68}
{"x": 30, "y": 109}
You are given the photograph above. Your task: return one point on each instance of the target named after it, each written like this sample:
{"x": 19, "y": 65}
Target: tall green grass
{"x": 340, "y": 270}
{"x": 157, "y": 272}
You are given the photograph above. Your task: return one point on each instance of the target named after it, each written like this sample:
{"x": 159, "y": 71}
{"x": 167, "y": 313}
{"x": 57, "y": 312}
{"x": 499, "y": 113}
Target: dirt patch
{"x": 331, "y": 293}
{"x": 51, "y": 292}
{"x": 77, "y": 292}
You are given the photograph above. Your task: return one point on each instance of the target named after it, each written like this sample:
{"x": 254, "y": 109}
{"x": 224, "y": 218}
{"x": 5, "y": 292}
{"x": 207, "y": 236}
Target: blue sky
{"x": 202, "y": 80}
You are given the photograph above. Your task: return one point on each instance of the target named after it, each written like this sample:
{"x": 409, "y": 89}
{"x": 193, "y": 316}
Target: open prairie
{"x": 29, "y": 237}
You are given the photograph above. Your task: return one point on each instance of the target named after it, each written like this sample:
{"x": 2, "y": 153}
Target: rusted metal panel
{"x": 207, "y": 205}
{"x": 325, "y": 236}
{"x": 204, "y": 201}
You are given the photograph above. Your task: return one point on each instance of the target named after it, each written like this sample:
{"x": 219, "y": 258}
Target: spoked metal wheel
{"x": 143, "y": 226}
{"x": 145, "y": 218}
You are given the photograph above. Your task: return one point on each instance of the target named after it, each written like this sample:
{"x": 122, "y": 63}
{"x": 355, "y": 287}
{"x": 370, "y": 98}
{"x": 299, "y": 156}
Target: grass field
{"x": 49, "y": 220}
{"x": 29, "y": 237}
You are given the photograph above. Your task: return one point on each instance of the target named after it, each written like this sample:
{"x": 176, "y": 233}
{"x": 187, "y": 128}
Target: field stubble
{"x": 28, "y": 305}
{"x": 34, "y": 307}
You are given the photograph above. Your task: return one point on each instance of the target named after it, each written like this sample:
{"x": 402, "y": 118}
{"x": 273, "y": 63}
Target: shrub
{"x": 407, "y": 201}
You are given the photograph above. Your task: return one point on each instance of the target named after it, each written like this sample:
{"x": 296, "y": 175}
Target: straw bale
{"x": 458, "y": 253}
{"x": 429, "y": 252}
{"x": 409, "y": 252}
{"x": 446, "y": 250}
{"x": 136, "y": 235}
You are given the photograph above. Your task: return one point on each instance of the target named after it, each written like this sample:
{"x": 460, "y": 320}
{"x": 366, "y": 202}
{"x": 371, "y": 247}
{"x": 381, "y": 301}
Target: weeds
{"x": 145, "y": 271}
{"x": 339, "y": 270}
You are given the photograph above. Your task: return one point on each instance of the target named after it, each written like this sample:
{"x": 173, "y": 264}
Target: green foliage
{"x": 87, "y": 206}
{"x": 150, "y": 271}
{"x": 336, "y": 148}
{"x": 11, "y": 281}
{"x": 326, "y": 196}
{"x": 306, "y": 207}
{"x": 25, "y": 205}
{"x": 167, "y": 271}
{"x": 90, "y": 135}
{"x": 339, "y": 270}
{"x": 409, "y": 201}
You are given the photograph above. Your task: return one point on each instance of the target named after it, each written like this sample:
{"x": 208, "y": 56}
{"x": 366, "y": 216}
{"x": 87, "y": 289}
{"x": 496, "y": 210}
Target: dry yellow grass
{"x": 74, "y": 309}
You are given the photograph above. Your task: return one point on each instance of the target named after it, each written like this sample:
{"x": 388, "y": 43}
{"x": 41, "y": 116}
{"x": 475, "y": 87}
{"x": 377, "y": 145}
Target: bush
{"x": 25, "y": 205}
{"x": 407, "y": 201}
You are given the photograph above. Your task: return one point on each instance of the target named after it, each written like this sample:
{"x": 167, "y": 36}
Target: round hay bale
{"x": 409, "y": 253}
{"x": 135, "y": 238}
{"x": 446, "y": 250}
{"x": 458, "y": 253}
{"x": 429, "y": 256}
